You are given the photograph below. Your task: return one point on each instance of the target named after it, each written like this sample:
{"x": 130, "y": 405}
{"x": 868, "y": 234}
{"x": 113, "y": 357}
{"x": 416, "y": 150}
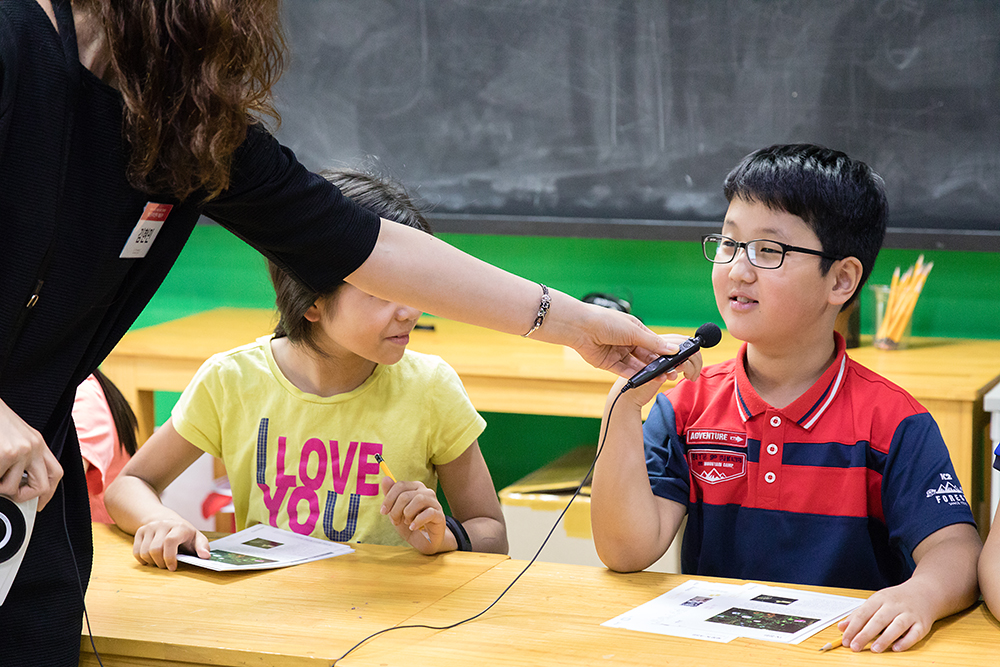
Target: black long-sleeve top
{"x": 66, "y": 212}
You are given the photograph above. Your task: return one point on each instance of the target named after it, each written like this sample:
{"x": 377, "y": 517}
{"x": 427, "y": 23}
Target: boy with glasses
{"x": 792, "y": 462}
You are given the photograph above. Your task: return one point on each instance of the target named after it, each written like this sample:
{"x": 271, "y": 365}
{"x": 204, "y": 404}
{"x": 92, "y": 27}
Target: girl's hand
{"x": 416, "y": 514}
{"x": 23, "y": 450}
{"x": 157, "y": 542}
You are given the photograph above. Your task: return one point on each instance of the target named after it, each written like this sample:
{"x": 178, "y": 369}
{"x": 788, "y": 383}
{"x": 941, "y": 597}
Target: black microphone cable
{"x": 521, "y": 573}
{"x": 79, "y": 578}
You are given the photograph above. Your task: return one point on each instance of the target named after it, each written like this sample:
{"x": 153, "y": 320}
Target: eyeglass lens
{"x": 761, "y": 253}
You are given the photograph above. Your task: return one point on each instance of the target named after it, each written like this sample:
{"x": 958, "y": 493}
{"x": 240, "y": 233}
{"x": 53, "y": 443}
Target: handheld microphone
{"x": 708, "y": 335}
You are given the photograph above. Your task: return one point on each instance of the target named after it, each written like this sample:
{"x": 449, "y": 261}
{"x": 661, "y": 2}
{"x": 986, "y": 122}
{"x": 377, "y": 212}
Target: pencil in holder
{"x": 894, "y": 304}
{"x": 880, "y": 294}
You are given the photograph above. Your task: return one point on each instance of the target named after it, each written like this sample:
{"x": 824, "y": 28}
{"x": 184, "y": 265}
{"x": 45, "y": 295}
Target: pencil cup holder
{"x": 888, "y": 336}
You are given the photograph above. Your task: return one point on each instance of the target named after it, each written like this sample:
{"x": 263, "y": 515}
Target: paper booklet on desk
{"x": 721, "y": 612}
{"x": 262, "y": 547}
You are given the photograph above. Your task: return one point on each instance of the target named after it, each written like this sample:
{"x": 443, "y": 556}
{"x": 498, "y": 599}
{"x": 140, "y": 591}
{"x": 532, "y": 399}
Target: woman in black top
{"x": 116, "y": 114}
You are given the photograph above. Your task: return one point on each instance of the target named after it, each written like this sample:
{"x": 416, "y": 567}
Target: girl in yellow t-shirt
{"x": 299, "y": 418}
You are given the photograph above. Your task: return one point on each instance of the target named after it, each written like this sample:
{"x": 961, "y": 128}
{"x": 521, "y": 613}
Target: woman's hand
{"x": 623, "y": 345}
{"x": 158, "y": 542}
{"x": 23, "y": 450}
{"x": 417, "y": 515}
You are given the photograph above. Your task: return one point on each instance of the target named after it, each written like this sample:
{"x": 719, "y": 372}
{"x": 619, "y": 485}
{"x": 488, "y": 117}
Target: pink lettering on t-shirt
{"x": 298, "y": 495}
{"x": 340, "y": 468}
{"x": 367, "y": 465}
{"x": 313, "y": 445}
{"x": 273, "y": 502}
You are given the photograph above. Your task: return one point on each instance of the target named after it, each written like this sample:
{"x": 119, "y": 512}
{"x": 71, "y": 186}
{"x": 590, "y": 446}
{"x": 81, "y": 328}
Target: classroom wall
{"x": 668, "y": 282}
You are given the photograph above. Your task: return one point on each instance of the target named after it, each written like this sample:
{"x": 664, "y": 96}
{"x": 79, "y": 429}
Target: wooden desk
{"x": 311, "y": 614}
{"x": 304, "y": 615}
{"x": 504, "y": 373}
{"x": 552, "y": 617}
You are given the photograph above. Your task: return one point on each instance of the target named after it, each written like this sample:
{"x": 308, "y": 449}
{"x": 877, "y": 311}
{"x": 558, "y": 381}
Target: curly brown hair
{"x": 194, "y": 75}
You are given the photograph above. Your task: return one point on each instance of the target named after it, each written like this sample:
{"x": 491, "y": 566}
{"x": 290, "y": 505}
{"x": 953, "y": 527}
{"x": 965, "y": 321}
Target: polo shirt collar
{"x": 806, "y": 409}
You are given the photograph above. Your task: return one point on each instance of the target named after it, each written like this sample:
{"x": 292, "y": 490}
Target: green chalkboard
{"x": 622, "y": 117}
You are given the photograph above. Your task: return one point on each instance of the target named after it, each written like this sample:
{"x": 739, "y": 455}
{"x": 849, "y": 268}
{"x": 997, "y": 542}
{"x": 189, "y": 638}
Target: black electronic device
{"x": 708, "y": 335}
{"x": 608, "y": 301}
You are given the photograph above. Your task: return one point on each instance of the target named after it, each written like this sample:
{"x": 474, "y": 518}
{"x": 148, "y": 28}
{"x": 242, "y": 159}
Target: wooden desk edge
{"x": 123, "y": 650}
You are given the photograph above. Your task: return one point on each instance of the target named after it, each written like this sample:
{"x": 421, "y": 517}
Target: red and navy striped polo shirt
{"x": 835, "y": 489}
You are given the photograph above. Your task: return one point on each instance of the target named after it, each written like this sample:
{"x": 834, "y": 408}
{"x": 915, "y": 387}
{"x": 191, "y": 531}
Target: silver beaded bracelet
{"x": 543, "y": 308}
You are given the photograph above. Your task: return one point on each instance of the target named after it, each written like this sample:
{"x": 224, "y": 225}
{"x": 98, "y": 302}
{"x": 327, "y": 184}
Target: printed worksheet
{"x": 263, "y": 547}
{"x": 722, "y": 612}
{"x": 677, "y": 611}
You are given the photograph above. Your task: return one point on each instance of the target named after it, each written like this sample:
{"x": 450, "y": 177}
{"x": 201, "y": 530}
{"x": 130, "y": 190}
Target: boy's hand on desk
{"x": 156, "y": 543}
{"x": 891, "y": 618}
{"x": 416, "y": 514}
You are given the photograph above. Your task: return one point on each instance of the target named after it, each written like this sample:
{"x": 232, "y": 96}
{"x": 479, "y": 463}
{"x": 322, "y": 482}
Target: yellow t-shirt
{"x": 306, "y": 463}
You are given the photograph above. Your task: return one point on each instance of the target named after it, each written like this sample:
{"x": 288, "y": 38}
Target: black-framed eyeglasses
{"x": 762, "y": 253}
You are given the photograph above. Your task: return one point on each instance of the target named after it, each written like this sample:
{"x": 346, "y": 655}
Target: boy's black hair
{"x": 380, "y": 195}
{"x": 841, "y": 199}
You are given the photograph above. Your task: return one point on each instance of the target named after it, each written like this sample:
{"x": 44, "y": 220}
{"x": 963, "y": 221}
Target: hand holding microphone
{"x": 708, "y": 335}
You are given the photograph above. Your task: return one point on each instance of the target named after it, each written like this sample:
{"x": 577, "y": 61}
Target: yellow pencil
{"x": 893, "y": 291}
{"x": 384, "y": 468}
{"x": 896, "y": 287}
{"x": 903, "y": 293}
{"x": 388, "y": 473}
{"x": 902, "y": 318}
{"x": 911, "y": 301}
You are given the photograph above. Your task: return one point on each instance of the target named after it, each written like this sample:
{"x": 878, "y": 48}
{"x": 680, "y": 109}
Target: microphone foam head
{"x": 709, "y": 334}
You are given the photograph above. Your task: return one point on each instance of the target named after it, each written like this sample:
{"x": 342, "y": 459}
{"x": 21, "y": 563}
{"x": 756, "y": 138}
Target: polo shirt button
{"x": 772, "y": 449}
{"x": 775, "y": 421}
{"x": 769, "y": 478}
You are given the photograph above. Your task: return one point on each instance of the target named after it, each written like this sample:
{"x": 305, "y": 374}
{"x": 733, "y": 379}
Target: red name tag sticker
{"x": 142, "y": 237}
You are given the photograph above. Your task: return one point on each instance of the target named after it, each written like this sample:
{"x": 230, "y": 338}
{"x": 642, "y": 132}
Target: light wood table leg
{"x": 124, "y": 374}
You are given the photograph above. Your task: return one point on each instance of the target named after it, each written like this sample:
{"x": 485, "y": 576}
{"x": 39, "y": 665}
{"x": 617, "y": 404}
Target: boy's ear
{"x": 846, "y": 278}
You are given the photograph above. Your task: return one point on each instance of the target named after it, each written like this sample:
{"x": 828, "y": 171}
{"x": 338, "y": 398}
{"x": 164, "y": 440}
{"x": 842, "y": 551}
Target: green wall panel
{"x": 215, "y": 269}
{"x": 668, "y": 283}
{"x": 671, "y": 284}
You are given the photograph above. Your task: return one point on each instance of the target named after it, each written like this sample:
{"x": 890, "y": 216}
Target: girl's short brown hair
{"x": 380, "y": 195}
